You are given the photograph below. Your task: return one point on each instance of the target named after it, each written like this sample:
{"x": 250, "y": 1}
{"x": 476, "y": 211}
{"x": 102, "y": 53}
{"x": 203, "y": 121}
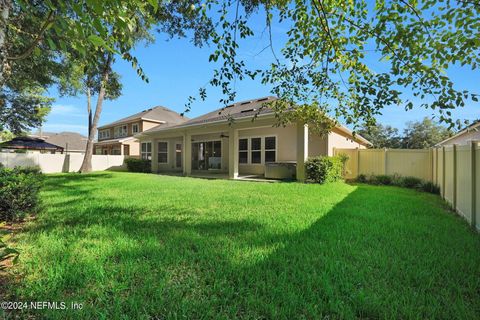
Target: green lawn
{"x": 138, "y": 246}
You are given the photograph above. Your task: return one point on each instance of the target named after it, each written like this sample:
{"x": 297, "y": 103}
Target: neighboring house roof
{"x": 70, "y": 141}
{"x": 30, "y": 143}
{"x": 238, "y": 110}
{"x": 110, "y": 141}
{"x": 475, "y": 126}
{"x": 157, "y": 114}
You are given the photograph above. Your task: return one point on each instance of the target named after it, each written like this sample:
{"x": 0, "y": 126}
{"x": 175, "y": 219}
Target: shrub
{"x": 411, "y": 182}
{"x": 19, "y": 192}
{"x": 384, "y": 179}
{"x": 362, "y": 178}
{"x": 397, "y": 180}
{"x": 138, "y": 165}
{"x": 324, "y": 169}
{"x": 431, "y": 187}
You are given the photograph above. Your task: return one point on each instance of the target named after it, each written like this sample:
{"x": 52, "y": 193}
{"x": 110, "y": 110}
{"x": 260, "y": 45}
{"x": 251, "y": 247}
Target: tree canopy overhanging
{"x": 348, "y": 59}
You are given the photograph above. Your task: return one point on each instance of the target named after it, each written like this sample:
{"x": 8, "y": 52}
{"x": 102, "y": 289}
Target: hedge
{"x": 324, "y": 169}
{"x": 138, "y": 165}
{"x": 19, "y": 192}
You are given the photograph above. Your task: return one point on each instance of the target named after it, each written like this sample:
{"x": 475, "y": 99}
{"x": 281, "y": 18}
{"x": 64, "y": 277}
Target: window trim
{"x": 249, "y": 137}
{"x": 247, "y": 151}
{"x": 138, "y": 127}
{"x": 103, "y": 134}
{"x": 120, "y": 135}
{"x": 146, "y": 152}
{"x": 158, "y": 151}
{"x": 265, "y": 148}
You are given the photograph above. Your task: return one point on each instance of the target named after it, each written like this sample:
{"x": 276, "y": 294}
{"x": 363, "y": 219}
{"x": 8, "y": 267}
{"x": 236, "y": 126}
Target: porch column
{"x": 232, "y": 153}
{"x": 187, "y": 154}
{"x": 154, "y": 156}
{"x": 302, "y": 150}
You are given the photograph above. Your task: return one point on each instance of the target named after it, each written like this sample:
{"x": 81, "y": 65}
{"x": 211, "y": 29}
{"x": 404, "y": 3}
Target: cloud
{"x": 66, "y": 110}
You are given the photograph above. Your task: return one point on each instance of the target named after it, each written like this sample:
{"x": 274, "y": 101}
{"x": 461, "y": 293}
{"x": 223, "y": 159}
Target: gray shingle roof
{"x": 75, "y": 140}
{"x": 157, "y": 113}
{"x": 237, "y": 110}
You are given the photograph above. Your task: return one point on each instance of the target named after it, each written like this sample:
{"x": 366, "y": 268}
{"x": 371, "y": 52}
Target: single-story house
{"x": 242, "y": 147}
{"x": 463, "y": 137}
{"x": 30, "y": 144}
{"x": 71, "y": 142}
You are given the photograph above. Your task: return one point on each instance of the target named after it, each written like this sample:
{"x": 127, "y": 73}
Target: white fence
{"x": 54, "y": 163}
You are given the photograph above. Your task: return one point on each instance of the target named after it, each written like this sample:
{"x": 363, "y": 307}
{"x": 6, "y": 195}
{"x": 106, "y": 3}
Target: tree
{"x": 424, "y": 134}
{"x": 382, "y": 136}
{"x": 354, "y": 58}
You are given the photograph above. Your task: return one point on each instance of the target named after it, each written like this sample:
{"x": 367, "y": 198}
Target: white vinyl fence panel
{"x": 55, "y": 163}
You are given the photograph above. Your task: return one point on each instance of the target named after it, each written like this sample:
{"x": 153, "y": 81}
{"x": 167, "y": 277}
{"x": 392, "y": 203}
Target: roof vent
{"x": 263, "y": 99}
{"x": 230, "y": 105}
{"x": 246, "y": 102}
{"x": 248, "y": 110}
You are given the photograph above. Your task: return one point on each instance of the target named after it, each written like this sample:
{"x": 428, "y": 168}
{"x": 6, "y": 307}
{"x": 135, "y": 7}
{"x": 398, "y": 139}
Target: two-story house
{"x": 117, "y": 138}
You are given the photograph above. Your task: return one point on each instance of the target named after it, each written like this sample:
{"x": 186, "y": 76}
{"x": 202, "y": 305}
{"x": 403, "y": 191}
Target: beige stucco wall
{"x": 286, "y": 146}
{"x": 134, "y": 147}
{"x": 145, "y": 125}
{"x": 340, "y": 140}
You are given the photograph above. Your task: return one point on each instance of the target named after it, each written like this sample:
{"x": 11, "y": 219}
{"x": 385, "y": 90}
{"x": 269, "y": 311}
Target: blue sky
{"x": 176, "y": 69}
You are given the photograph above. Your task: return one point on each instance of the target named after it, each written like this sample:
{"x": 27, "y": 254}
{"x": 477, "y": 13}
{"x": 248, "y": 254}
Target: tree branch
{"x": 37, "y": 40}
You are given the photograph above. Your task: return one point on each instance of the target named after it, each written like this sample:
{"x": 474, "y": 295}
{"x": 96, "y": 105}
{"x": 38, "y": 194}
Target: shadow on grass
{"x": 379, "y": 253}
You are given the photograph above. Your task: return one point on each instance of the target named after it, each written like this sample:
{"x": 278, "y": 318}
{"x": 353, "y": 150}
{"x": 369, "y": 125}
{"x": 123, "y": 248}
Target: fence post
{"x": 443, "y": 172}
{"x": 436, "y": 167}
{"x": 432, "y": 165}
{"x": 473, "y": 160}
{"x": 385, "y": 161}
{"x": 455, "y": 177}
{"x": 358, "y": 162}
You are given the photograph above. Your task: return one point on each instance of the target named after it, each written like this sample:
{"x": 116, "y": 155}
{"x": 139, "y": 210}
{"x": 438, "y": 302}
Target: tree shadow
{"x": 378, "y": 253}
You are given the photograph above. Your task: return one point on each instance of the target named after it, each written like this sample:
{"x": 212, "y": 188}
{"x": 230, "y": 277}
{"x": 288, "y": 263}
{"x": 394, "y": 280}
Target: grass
{"x": 144, "y": 246}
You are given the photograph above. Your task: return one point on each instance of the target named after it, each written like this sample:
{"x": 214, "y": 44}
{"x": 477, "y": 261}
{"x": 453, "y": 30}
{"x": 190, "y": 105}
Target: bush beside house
{"x": 138, "y": 165}
{"x": 325, "y": 169}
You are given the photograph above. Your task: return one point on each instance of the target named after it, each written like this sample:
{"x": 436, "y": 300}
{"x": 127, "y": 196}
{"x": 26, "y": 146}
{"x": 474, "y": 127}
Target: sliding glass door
{"x": 207, "y": 155}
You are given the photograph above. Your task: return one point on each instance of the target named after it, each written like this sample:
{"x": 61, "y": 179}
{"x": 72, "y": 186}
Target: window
{"x": 163, "y": 152}
{"x": 121, "y": 131}
{"x": 270, "y": 149}
{"x": 243, "y": 151}
{"x": 103, "y": 134}
{"x": 256, "y": 150}
{"x": 178, "y": 155}
{"x": 135, "y": 128}
{"x": 116, "y": 152}
{"x": 146, "y": 150}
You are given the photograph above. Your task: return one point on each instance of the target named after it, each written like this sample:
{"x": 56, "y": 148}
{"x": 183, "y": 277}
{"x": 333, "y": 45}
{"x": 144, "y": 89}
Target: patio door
{"x": 207, "y": 155}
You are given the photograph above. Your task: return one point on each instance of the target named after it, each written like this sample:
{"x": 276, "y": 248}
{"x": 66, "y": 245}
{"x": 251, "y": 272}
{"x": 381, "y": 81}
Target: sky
{"x": 177, "y": 69}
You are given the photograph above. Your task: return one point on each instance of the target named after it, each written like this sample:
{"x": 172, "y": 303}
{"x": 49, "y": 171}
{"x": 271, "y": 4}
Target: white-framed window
{"x": 121, "y": 131}
{"x": 135, "y": 128}
{"x": 146, "y": 150}
{"x": 243, "y": 151}
{"x": 163, "y": 152}
{"x": 270, "y": 149}
{"x": 256, "y": 150}
{"x": 104, "y": 134}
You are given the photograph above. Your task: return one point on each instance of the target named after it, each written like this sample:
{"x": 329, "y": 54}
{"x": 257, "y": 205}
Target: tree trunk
{"x": 5, "y": 6}
{"x": 89, "y": 109}
{"x": 87, "y": 160}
